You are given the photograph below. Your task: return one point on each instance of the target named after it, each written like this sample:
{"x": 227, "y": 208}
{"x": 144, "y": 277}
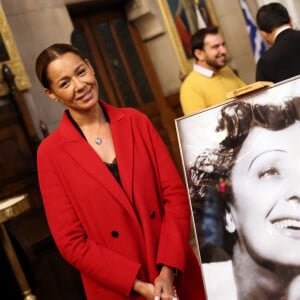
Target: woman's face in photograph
{"x": 266, "y": 188}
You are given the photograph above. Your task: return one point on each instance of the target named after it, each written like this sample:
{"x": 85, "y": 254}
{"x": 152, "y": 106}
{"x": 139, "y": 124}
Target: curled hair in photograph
{"x": 212, "y": 168}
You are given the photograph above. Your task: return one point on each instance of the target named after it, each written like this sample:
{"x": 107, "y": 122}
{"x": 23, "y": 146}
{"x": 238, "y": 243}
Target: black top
{"x": 113, "y": 167}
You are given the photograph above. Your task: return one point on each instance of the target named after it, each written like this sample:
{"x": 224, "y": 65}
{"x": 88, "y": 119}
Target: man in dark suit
{"x": 282, "y": 59}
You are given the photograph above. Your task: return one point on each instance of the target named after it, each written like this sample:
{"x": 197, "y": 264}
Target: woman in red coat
{"x": 115, "y": 204}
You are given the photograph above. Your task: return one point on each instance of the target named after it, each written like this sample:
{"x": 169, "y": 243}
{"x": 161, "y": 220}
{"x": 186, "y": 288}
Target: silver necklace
{"x": 98, "y": 139}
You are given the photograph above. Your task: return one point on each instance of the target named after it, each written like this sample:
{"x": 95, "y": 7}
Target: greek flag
{"x": 257, "y": 42}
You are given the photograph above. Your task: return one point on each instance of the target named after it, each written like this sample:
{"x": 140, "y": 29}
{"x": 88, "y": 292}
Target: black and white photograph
{"x": 241, "y": 162}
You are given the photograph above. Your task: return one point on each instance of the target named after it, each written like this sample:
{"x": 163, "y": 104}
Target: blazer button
{"x": 115, "y": 234}
{"x": 152, "y": 215}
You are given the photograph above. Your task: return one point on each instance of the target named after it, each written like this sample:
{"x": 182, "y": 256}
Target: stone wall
{"x": 35, "y": 25}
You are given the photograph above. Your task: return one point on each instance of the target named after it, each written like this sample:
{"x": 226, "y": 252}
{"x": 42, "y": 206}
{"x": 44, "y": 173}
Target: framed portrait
{"x": 182, "y": 19}
{"x": 10, "y": 56}
{"x": 241, "y": 162}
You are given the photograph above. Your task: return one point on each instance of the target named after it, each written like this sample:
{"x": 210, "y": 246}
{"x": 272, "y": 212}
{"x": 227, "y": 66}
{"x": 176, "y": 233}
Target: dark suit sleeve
{"x": 260, "y": 74}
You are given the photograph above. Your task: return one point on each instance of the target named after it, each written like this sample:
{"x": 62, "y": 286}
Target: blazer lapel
{"x": 121, "y": 129}
{"x": 123, "y": 142}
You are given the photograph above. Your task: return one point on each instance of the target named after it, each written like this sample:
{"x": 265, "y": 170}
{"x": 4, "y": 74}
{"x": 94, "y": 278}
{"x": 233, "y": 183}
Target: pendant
{"x": 98, "y": 140}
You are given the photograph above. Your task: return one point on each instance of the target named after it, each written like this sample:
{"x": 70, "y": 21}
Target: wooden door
{"x": 124, "y": 69}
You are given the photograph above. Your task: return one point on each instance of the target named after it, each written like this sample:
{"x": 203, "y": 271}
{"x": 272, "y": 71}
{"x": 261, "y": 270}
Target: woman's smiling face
{"x": 266, "y": 191}
{"x": 72, "y": 81}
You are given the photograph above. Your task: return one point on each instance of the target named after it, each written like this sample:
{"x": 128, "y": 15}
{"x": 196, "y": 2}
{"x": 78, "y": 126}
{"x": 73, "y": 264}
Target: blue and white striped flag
{"x": 257, "y": 41}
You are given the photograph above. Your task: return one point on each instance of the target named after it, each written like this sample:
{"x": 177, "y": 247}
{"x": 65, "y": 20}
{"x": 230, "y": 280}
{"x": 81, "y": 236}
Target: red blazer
{"x": 114, "y": 234}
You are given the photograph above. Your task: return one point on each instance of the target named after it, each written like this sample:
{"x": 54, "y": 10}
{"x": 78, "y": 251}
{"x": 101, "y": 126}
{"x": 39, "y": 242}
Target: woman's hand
{"x": 163, "y": 285}
{"x": 145, "y": 289}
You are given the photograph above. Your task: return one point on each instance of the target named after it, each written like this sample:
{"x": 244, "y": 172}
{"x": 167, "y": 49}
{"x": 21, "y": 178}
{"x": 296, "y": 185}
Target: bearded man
{"x": 211, "y": 79}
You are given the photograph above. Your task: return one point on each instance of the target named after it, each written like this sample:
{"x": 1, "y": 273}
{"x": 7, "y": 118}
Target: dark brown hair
{"x": 197, "y": 40}
{"x": 47, "y": 56}
{"x": 272, "y": 16}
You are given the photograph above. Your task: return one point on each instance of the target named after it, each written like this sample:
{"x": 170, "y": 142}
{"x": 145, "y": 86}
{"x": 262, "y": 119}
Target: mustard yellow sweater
{"x": 198, "y": 91}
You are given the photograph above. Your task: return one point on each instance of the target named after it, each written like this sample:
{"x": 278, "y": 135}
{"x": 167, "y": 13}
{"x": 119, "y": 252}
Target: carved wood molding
{"x": 14, "y": 63}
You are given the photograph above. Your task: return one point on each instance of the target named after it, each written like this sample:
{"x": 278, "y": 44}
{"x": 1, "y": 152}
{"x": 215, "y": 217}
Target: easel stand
{"x": 10, "y": 208}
